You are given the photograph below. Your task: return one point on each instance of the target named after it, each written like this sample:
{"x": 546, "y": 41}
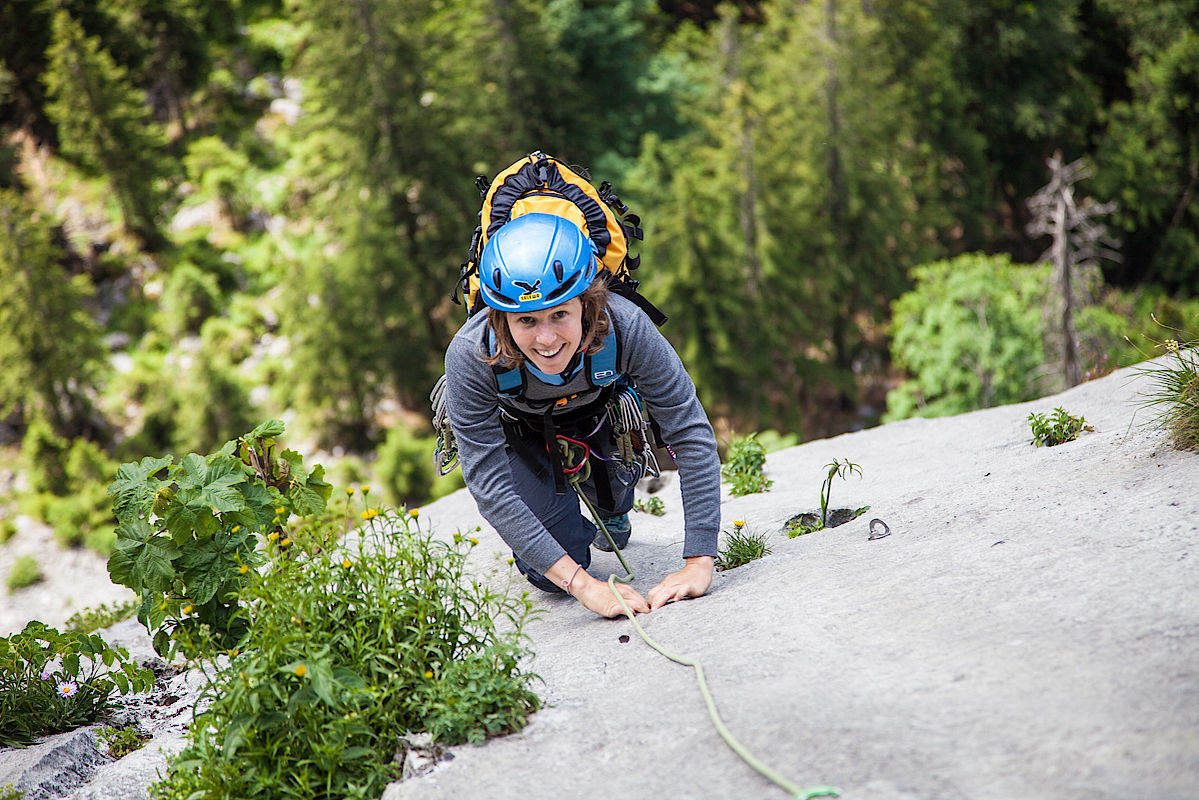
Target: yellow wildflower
{"x": 740, "y": 523}
{"x": 473, "y": 541}
{"x": 243, "y": 569}
{"x": 187, "y": 609}
{"x": 350, "y": 491}
{"x": 286, "y": 541}
{"x": 370, "y": 513}
{"x": 273, "y": 535}
{"x": 235, "y": 529}
{"x": 414, "y": 512}
{"x": 366, "y": 490}
{"x": 428, "y": 673}
{"x": 301, "y": 670}
{"x": 346, "y": 563}
{"x": 280, "y": 510}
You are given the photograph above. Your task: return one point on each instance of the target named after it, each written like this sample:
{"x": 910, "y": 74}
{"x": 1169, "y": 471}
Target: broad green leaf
{"x": 191, "y": 472}
{"x": 121, "y": 681}
{"x": 305, "y": 501}
{"x": 320, "y": 673}
{"x": 162, "y": 643}
{"x": 134, "y": 487}
{"x": 183, "y": 519}
{"x": 70, "y": 663}
{"x": 152, "y": 567}
{"x": 222, "y": 495}
{"x": 295, "y": 463}
{"x": 268, "y": 429}
{"x": 202, "y": 569}
{"x": 235, "y": 734}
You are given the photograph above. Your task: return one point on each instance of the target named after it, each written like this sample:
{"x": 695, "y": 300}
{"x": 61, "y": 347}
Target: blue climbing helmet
{"x": 535, "y": 262}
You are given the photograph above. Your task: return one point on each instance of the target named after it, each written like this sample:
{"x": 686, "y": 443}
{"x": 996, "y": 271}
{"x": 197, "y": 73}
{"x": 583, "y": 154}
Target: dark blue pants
{"x": 567, "y": 520}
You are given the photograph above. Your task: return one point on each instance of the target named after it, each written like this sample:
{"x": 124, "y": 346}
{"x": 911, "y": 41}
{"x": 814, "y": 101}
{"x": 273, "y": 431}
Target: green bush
{"x": 969, "y": 335}
{"x": 103, "y": 616}
{"x": 349, "y": 647}
{"x": 123, "y": 741}
{"x": 1174, "y": 393}
{"x": 67, "y": 482}
{"x": 191, "y": 295}
{"x": 744, "y": 467}
{"x": 8, "y": 529}
{"x": 24, "y": 572}
{"x": 52, "y": 681}
{"x": 187, "y": 542}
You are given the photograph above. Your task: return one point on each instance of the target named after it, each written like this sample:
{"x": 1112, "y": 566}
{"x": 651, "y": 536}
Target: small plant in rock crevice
{"x": 653, "y": 505}
{"x": 745, "y": 467}
{"x": 102, "y": 616}
{"x": 842, "y": 469}
{"x": 123, "y": 741}
{"x": 741, "y": 546}
{"x": 1058, "y": 428}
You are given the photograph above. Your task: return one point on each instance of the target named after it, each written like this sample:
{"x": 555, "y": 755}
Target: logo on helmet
{"x": 531, "y": 292}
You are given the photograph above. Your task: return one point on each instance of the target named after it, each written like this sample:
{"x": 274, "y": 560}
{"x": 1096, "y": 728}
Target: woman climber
{"x": 552, "y": 385}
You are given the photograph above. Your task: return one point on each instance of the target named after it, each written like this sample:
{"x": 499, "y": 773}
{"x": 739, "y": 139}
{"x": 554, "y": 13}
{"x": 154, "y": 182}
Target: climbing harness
{"x": 576, "y": 464}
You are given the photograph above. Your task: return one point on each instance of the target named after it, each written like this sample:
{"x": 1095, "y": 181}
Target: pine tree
{"x": 105, "y": 126}
{"x": 50, "y": 351}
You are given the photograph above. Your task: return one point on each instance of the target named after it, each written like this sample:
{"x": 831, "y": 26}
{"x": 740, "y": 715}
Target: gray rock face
{"x": 54, "y": 767}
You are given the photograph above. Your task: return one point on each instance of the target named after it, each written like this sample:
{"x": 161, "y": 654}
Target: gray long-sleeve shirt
{"x": 472, "y": 403}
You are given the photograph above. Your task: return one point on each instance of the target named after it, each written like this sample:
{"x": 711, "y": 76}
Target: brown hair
{"x": 595, "y": 327}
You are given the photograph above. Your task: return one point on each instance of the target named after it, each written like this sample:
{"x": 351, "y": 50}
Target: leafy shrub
{"x": 8, "y": 529}
{"x": 1058, "y": 428}
{"x": 52, "y": 681}
{"x": 191, "y": 296}
{"x": 9, "y": 792}
{"x": 349, "y": 647}
{"x": 25, "y": 572}
{"x": 745, "y": 467}
{"x": 188, "y": 541}
{"x": 741, "y": 547}
{"x": 103, "y": 616}
{"x": 969, "y": 335}
{"x": 66, "y": 487}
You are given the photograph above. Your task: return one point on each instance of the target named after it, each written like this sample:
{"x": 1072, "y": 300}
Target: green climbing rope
{"x": 578, "y": 469}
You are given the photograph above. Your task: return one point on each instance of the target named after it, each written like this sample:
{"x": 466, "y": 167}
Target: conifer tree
{"x": 50, "y": 350}
{"x": 105, "y": 126}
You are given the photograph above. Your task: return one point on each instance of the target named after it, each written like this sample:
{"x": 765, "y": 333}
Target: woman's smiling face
{"x": 549, "y": 338}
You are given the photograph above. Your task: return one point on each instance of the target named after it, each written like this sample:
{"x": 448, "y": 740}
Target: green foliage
{"x": 836, "y": 469}
{"x": 350, "y": 646}
{"x": 969, "y": 335}
{"x": 123, "y": 741}
{"x": 653, "y": 505}
{"x": 24, "y": 572}
{"x": 189, "y": 532}
{"x": 190, "y": 297}
{"x": 1059, "y": 428}
{"x": 404, "y": 467}
{"x": 8, "y": 529}
{"x": 103, "y": 616}
{"x": 104, "y": 124}
{"x": 741, "y": 547}
{"x": 51, "y": 349}
{"x": 1174, "y": 392}
{"x": 745, "y": 467}
{"x": 52, "y": 681}
{"x": 9, "y": 792}
{"x": 67, "y": 483}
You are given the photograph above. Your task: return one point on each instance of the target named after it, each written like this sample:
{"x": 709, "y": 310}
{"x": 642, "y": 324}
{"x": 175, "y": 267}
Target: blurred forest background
{"x": 213, "y": 212}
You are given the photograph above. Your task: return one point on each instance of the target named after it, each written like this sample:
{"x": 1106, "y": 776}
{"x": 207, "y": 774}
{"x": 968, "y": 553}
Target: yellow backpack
{"x": 543, "y": 184}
